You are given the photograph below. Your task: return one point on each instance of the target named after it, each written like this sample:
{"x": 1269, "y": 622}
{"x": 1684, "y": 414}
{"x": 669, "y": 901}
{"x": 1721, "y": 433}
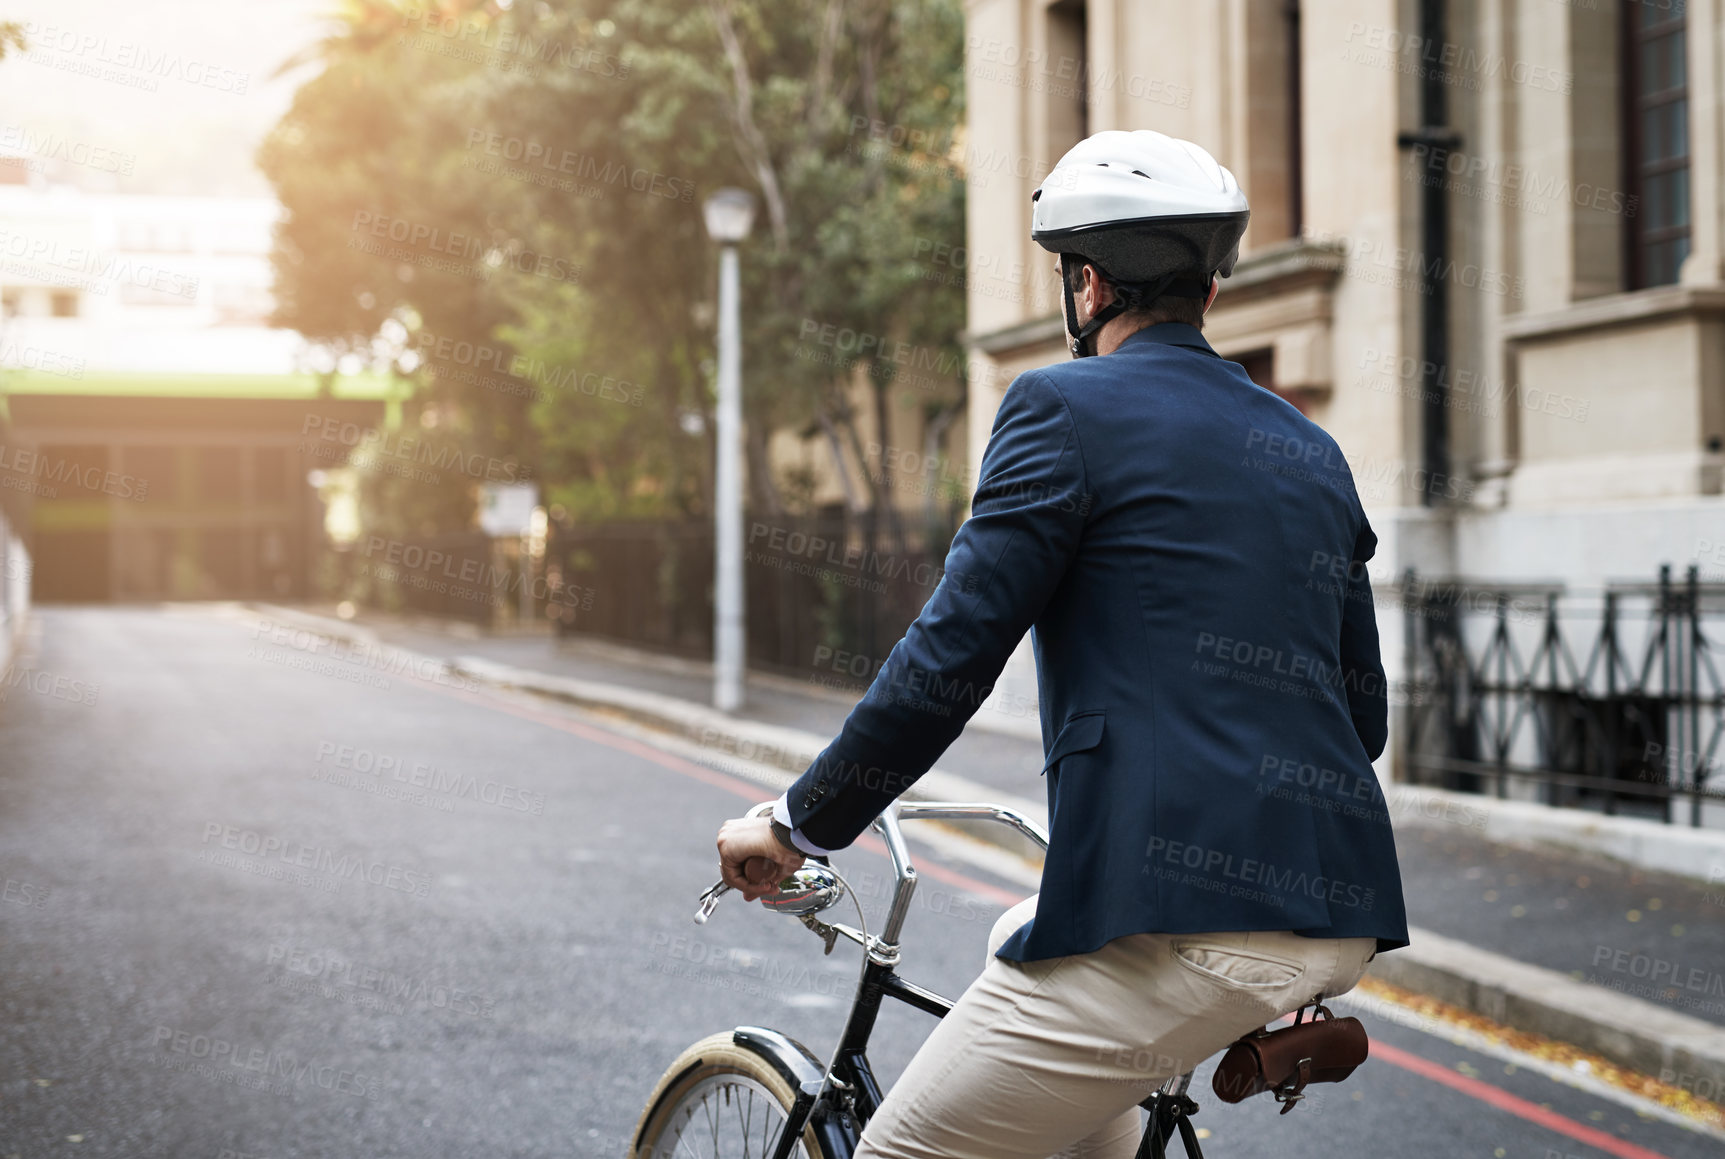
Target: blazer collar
{"x": 1173, "y": 334}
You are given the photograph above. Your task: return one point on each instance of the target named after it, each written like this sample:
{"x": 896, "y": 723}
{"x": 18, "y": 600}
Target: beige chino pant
{"x": 1052, "y": 1058}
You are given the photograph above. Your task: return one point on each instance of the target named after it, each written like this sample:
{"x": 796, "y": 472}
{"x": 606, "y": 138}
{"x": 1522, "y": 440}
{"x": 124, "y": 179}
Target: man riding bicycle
{"x": 1188, "y": 552}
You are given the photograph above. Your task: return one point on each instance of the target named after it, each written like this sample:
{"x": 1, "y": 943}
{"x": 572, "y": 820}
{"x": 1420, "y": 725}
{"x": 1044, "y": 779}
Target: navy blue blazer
{"x": 1188, "y": 553}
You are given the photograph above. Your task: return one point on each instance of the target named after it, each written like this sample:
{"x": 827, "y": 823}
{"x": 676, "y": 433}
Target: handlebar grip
{"x": 757, "y": 868}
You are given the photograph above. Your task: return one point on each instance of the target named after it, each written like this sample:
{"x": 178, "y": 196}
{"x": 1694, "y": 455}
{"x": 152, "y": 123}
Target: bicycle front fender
{"x": 836, "y": 1133}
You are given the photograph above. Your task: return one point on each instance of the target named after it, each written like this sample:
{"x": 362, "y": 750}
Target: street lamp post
{"x": 729, "y": 214}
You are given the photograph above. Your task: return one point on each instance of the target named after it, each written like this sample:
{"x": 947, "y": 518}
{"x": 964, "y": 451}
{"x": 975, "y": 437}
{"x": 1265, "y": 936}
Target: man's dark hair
{"x": 1167, "y": 308}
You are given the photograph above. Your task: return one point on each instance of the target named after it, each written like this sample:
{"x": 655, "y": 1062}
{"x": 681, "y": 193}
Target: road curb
{"x": 1677, "y": 849}
{"x": 789, "y": 749}
{"x": 1629, "y": 1031}
{"x": 1647, "y": 1038}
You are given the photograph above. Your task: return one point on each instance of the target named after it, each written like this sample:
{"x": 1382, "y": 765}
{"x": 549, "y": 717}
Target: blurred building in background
{"x": 1486, "y": 253}
{"x": 156, "y": 440}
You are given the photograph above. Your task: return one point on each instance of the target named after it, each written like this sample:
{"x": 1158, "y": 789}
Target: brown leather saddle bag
{"x": 1284, "y": 1062}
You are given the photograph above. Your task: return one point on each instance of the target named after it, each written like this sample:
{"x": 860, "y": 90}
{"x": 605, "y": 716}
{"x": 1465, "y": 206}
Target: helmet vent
{"x": 1141, "y": 173}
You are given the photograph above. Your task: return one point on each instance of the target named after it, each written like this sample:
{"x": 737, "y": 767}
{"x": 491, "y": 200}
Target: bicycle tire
{"x": 715, "y": 1085}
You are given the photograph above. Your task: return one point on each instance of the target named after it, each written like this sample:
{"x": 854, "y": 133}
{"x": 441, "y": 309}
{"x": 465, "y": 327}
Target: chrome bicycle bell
{"x": 809, "y": 890}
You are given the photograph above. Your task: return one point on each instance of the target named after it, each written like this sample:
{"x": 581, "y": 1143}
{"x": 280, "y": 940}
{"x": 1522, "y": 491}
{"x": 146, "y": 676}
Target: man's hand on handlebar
{"x": 751, "y": 860}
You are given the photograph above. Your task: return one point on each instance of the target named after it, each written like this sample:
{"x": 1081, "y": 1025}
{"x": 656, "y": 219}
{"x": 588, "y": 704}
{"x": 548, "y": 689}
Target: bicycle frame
{"x": 853, "y": 1091}
{"x": 849, "y": 1090}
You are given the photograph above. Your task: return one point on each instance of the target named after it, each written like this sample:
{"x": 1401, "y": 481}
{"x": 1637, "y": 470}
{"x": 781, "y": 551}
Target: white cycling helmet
{"x": 1156, "y": 214}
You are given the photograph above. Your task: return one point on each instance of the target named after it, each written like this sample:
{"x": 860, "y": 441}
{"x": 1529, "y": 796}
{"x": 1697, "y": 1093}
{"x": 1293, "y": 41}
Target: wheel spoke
{"x": 721, "y": 1112}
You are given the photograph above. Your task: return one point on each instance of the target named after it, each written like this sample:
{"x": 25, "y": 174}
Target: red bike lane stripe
{"x": 748, "y": 791}
{"x": 1504, "y": 1101}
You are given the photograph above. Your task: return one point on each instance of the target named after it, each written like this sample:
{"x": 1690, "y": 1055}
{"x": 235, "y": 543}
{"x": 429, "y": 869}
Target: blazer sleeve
{"x": 1007, "y": 559}
{"x": 1362, "y": 665}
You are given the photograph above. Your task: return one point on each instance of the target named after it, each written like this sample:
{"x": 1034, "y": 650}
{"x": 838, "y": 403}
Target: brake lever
{"x": 827, "y": 934}
{"x": 710, "y": 901}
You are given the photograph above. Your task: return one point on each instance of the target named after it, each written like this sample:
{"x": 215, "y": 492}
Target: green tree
{"x": 784, "y": 99}
{"x": 587, "y": 133}
{"x": 369, "y": 152}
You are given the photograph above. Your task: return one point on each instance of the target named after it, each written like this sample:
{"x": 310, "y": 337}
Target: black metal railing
{"x": 827, "y": 597}
{"x": 1609, "y": 699}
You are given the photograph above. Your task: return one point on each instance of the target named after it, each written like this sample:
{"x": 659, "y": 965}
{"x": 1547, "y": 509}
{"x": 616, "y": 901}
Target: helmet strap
{"x": 1126, "y": 297}
{"x": 1083, "y": 342}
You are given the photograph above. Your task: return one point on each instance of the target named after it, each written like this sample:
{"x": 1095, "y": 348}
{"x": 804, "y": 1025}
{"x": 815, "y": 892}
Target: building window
{"x": 1067, "y": 75}
{"x": 270, "y": 475}
{"x": 1656, "y": 142}
{"x": 1260, "y": 367}
{"x": 218, "y": 476}
{"x": 1296, "y": 152}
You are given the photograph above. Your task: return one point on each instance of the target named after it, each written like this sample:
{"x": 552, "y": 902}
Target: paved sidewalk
{"x": 1620, "y": 959}
{"x": 984, "y": 753}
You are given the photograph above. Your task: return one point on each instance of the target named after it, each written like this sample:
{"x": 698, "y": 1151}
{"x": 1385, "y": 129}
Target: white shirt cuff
{"x": 782, "y": 814}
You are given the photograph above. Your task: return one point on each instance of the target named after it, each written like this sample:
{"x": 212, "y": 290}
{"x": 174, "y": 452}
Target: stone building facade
{"x": 1486, "y": 252}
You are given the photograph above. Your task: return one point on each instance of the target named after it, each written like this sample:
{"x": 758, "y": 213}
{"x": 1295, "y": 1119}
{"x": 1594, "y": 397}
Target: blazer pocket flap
{"x": 1080, "y": 732}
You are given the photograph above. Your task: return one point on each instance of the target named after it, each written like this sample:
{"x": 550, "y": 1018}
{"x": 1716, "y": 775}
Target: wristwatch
{"x": 783, "y": 833}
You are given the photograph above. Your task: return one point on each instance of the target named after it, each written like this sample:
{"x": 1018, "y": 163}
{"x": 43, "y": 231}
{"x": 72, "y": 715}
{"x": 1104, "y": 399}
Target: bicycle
{"x": 755, "y": 1093}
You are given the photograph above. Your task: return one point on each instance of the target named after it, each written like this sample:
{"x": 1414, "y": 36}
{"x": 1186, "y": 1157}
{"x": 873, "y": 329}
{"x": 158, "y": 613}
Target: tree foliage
{"x": 570, "y": 143}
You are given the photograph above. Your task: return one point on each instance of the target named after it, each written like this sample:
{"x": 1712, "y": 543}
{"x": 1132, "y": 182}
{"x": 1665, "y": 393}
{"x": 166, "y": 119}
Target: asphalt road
{"x": 262, "y": 903}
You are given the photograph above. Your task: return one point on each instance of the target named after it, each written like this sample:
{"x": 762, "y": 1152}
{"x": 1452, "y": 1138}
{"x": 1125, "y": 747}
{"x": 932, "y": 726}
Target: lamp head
{"x": 729, "y": 214}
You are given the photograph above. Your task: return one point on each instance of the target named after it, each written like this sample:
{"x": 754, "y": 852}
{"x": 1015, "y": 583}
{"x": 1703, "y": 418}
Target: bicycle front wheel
{"x": 720, "y": 1100}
